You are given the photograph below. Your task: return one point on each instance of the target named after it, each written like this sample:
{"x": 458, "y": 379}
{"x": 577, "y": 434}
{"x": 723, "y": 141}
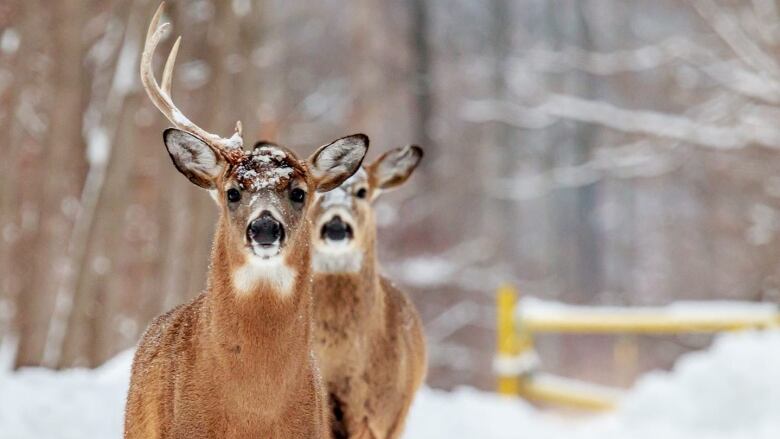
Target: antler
{"x": 231, "y": 148}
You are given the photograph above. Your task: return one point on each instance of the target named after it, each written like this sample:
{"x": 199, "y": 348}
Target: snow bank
{"x": 731, "y": 391}
{"x": 78, "y": 403}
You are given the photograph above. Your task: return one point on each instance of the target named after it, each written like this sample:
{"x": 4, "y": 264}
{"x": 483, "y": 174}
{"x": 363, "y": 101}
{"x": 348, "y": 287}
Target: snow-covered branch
{"x": 741, "y": 134}
{"x": 766, "y": 20}
{"x": 728, "y": 29}
{"x": 744, "y": 82}
{"x": 642, "y": 159}
{"x": 728, "y": 73}
{"x": 608, "y": 63}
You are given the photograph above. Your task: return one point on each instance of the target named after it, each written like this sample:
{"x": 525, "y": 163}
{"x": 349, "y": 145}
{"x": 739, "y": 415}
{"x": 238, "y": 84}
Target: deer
{"x": 238, "y": 360}
{"x": 368, "y": 334}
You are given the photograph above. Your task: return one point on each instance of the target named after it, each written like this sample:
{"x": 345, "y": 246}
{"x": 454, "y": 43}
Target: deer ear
{"x": 394, "y": 167}
{"x": 335, "y": 162}
{"x": 193, "y": 157}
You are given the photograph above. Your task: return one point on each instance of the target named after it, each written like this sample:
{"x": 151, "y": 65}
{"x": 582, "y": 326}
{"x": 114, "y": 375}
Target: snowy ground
{"x": 731, "y": 391}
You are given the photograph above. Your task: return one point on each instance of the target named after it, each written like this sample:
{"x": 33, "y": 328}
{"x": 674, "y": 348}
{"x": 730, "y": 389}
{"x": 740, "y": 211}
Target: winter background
{"x": 594, "y": 152}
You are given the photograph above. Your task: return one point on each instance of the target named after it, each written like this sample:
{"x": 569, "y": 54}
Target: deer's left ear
{"x": 394, "y": 167}
{"x": 335, "y": 162}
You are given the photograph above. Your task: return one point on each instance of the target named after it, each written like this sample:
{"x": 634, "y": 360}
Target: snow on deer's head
{"x": 344, "y": 224}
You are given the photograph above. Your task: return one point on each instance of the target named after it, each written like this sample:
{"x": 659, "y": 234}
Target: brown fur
{"x": 237, "y": 365}
{"x": 224, "y": 366}
{"x": 368, "y": 337}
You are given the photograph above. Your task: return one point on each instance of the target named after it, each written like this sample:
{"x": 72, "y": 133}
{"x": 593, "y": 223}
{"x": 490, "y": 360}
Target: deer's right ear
{"x": 193, "y": 157}
{"x": 335, "y": 162}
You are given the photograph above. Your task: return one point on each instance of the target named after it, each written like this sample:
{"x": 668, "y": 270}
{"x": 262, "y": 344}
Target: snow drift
{"x": 731, "y": 391}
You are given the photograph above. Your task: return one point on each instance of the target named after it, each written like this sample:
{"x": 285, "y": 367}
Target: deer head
{"x": 345, "y": 227}
{"x": 263, "y": 194}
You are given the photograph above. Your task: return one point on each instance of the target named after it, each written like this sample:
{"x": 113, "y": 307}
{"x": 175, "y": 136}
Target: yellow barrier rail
{"x": 645, "y": 324}
{"x": 555, "y": 390}
{"x": 516, "y": 361}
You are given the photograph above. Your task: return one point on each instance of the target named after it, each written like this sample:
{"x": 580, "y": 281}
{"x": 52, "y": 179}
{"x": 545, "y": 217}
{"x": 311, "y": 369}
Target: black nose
{"x": 336, "y": 229}
{"x": 265, "y": 230}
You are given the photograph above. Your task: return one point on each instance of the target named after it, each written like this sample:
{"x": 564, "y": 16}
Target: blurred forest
{"x": 590, "y": 151}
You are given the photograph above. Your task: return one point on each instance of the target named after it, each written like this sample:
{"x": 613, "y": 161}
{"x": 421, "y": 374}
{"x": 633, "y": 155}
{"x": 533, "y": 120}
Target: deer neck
{"x": 358, "y": 290}
{"x": 260, "y": 314}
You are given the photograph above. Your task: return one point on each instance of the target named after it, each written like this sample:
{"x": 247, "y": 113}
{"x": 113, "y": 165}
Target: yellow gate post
{"x": 506, "y": 342}
{"x": 513, "y": 342}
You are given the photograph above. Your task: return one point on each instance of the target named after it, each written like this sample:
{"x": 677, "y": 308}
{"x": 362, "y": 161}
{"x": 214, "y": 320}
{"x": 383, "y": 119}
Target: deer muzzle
{"x": 336, "y": 230}
{"x": 265, "y": 230}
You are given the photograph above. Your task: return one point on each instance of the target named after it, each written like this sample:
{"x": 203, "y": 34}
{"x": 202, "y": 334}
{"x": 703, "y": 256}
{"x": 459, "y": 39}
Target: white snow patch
{"x": 9, "y": 343}
{"x": 538, "y": 308}
{"x": 200, "y": 10}
{"x": 241, "y": 7}
{"x": 126, "y": 70}
{"x": 276, "y": 153}
{"x": 98, "y": 146}
{"x": 426, "y": 271}
{"x": 9, "y": 41}
{"x": 75, "y": 403}
{"x": 179, "y": 118}
{"x": 264, "y": 168}
{"x": 731, "y": 391}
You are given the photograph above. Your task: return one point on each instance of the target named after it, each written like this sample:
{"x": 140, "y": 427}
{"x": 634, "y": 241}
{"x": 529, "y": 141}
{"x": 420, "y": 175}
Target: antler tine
{"x": 147, "y": 75}
{"x": 160, "y": 96}
{"x": 155, "y": 19}
{"x": 168, "y": 72}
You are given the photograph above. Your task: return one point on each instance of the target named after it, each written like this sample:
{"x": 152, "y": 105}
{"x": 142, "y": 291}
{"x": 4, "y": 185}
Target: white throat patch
{"x": 272, "y": 271}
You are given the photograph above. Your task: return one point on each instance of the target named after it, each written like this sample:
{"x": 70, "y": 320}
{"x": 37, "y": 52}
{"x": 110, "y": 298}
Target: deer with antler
{"x": 238, "y": 361}
{"x": 368, "y": 335}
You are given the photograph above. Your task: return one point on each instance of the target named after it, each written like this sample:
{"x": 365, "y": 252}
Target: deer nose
{"x": 265, "y": 229}
{"x": 336, "y": 229}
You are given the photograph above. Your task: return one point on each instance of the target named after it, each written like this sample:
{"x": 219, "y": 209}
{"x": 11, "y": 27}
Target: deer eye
{"x": 233, "y": 195}
{"x": 297, "y": 195}
{"x": 361, "y": 193}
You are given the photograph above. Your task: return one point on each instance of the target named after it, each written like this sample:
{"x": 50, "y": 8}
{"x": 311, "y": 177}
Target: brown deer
{"x": 368, "y": 335}
{"x": 238, "y": 361}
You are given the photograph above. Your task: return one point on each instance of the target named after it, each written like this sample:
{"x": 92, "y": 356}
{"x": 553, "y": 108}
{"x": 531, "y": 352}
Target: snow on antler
{"x": 231, "y": 148}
